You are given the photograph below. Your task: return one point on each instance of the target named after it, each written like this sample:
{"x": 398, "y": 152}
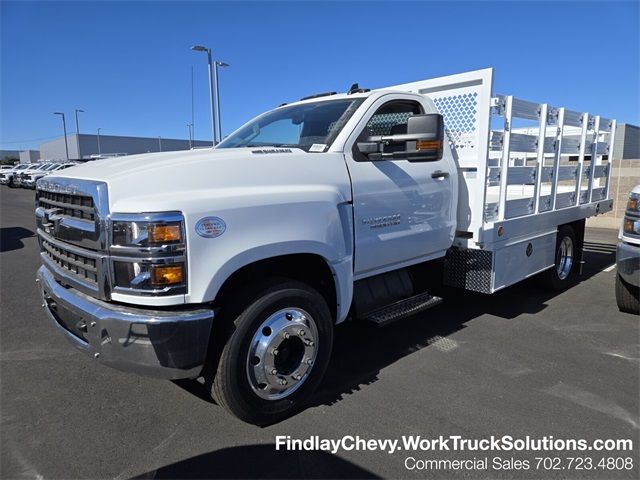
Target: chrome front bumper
{"x": 628, "y": 263}
{"x": 168, "y": 344}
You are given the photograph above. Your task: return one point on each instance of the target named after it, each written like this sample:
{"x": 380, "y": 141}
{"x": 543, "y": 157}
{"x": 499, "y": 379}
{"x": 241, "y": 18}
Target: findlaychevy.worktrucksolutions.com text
{"x": 505, "y": 443}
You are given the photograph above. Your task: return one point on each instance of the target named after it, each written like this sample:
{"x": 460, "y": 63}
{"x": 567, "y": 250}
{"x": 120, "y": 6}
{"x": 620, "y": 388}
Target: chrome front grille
{"x": 75, "y": 206}
{"x": 79, "y": 265}
{"x": 72, "y": 216}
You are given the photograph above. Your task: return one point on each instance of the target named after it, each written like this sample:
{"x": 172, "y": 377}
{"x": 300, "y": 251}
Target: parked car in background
{"x": 628, "y": 257}
{"x": 7, "y": 176}
{"x": 34, "y": 167}
{"x": 29, "y": 180}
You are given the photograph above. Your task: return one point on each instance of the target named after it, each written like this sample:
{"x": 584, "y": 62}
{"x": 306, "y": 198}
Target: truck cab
{"x": 410, "y": 197}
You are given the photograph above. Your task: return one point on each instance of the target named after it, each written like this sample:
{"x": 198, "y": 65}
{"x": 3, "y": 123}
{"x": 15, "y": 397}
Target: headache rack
{"x": 519, "y": 160}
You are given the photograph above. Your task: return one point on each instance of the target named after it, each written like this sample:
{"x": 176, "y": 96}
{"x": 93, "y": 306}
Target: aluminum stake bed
{"x": 523, "y": 168}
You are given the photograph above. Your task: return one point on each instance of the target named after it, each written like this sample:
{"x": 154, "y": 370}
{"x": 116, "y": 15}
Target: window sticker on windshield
{"x": 318, "y": 147}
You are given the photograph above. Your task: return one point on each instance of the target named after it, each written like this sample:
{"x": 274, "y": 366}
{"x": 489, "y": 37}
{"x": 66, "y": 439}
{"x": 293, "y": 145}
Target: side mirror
{"x": 430, "y": 126}
{"x": 422, "y": 142}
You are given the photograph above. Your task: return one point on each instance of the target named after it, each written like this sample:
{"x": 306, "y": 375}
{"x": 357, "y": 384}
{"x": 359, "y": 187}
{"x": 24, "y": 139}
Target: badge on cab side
{"x": 210, "y": 227}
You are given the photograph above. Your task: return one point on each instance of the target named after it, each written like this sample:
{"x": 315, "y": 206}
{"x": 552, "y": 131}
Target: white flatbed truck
{"x": 235, "y": 263}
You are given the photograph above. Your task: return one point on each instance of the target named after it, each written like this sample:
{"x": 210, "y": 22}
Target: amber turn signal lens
{"x": 631, "y": 226}
{"x": 167, "y": 275}
{"x": 632, "y": 204}
{"x": 428, "y": 145}
{"x": 164, "y": 233}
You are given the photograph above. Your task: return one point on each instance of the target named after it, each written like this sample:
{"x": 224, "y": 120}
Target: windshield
{"x": 309, "y": 126}
{"x": 50, "y": 167}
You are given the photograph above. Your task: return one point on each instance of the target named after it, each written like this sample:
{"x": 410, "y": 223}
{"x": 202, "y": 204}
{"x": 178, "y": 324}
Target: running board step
{"x": 402, "y": 309}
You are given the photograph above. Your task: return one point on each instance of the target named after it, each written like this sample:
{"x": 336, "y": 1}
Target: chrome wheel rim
{"x": 282, "y": 353}
{"x": 565, "y": 258}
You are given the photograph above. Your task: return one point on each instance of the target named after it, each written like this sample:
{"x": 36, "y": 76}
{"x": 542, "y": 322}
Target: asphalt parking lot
{"x": 521, "y": 362}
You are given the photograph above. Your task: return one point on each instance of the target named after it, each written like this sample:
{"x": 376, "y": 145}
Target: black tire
{"x": 10, "y": 184}
{"x": 563, "y": 273}
{"x": 230, "y": 384}
{"x": 627, "y": 296}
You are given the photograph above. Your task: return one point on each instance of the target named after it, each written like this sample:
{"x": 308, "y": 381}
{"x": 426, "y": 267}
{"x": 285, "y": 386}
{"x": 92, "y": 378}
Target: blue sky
{"x": 128, "y": 64}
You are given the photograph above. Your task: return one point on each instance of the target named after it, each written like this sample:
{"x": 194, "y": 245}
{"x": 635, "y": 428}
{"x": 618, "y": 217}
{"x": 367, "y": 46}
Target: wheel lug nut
{"x": 301, "y": 333}
{"x": 310, "y": 343}
{"x": 283, "y": 382}
{"x": 286, "y": 335}
{"x": 274, "y": 352}
{"x": 309, "y": 362}
{"x": 274, "y": 371}
{"x": 297, "y": 377}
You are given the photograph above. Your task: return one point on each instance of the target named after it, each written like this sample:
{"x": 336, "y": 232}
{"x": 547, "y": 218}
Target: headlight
{"x": 147, "y": 230}
{"x": 148, "y": 253}
{"x": 145, "y": 275}
{"x": 631, "y": 226}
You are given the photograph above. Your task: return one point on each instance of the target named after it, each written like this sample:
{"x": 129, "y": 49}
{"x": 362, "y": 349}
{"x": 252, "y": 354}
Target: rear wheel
{"x": 276, "y": 354}
{"x": 563, "y": 272}
{"x": 627, "y": 296}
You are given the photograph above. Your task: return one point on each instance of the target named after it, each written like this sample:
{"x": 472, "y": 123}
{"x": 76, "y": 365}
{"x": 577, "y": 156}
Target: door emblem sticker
{"x": 210, "y": 227}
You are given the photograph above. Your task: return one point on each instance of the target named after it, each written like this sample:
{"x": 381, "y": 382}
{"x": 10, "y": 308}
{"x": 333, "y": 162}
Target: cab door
{"x": 404, "y": 211}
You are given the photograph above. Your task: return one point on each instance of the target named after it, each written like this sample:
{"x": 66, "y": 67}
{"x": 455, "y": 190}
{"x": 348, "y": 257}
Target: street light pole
{"x": 200, "y": 48}
{"x": 99, "y": 153}
{"x": 64, "y": 127}
{"x": 219, "y": 64}
{"x": 78, "y": 133}
{"x": 159, "y": 143}
{"x": 193, "y": 123}
{"x": 189, "y": 125}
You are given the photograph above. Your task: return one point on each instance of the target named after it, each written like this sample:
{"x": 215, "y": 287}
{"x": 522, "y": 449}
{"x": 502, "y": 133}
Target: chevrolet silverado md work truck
{"x": 235, "y": 263}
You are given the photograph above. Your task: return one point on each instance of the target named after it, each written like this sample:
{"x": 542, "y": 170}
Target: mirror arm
{"x": 411, "y": 155}
{"x": 407, "y": 137}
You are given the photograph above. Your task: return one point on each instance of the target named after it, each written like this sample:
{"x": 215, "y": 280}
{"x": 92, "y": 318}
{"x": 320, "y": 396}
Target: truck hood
{"x": 151, "y": 165}
{"x": 159, "y": 181}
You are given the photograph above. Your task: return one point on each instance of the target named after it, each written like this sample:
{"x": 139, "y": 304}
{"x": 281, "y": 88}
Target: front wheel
{"x": 276, "y": 354}
{"x": 563, "y": 272}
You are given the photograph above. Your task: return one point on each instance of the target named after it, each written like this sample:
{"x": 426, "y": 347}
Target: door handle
{"x": 440, "y": 174}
